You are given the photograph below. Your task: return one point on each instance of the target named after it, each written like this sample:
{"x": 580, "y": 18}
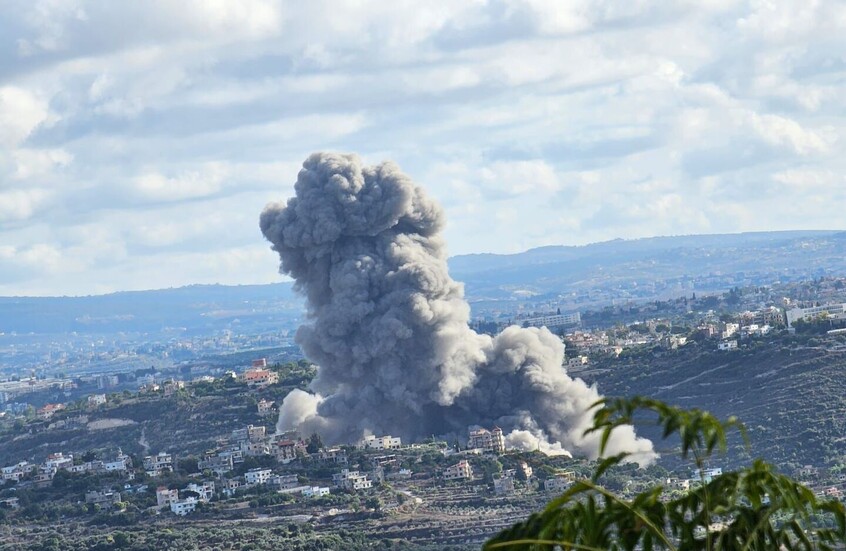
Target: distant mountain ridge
{"x": 470, "y": 263}
{"x": 561, "y": 269}
{"x": 194, "y": 307}
{"x": 544, "y": 270}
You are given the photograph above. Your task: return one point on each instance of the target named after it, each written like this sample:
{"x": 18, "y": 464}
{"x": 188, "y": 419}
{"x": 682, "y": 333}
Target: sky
{"x": 140, "y": 140}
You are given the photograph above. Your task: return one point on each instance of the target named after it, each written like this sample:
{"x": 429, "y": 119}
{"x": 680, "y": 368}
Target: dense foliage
{"x": 293, "y": 537}
{"x": 754, "y": 508}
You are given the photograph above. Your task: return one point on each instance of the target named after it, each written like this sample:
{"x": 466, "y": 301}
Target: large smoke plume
{"x": 388, "y": 326}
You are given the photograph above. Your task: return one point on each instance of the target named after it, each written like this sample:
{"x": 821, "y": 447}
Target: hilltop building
{"x": 259, "y": 376}
{"x": 488, "y": 440}
{"x": 553, "y": 321}
{"x": 381, "y": 443}
{"x": 837, "y": 311}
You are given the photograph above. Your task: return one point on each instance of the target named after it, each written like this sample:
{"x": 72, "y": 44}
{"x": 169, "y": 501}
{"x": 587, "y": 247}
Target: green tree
{"x": 314, "y": 444}
{"x": 752, "y": 509}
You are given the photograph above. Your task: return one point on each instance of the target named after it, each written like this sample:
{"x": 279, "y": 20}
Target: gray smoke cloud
{"x": 388, "y": 327}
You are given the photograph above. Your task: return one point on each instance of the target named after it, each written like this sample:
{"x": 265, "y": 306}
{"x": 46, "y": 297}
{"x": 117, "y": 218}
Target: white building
{"x": 807, "y": 314}
{"x": 154, "y": 465}
{"x": 254, "y": 449}
{"x": 381, "y": 442}
{"x": 219, "y": 464}
{"x": 17, "y": 471}
{"x": 557, "y": 320}
{"x": 731, "y": 329}
{"x": 351, "y": 480}
{"x": 95, "y": 400}
{"x": 727, "y": 345}
{"x": 772, "y": 316}
{"x": 120, "y": 464}
{"x": 258, "y": 476}
{"x": 678, "y": 484}
{"x": 756, "y": 330}
{"x": 204, "y": 491}
{"x": 56, "y": 461}
{"x": 578, "y": 361}
{"x": 315, "y": 491}
{"x": 460, "y": 471}
{"x": 259, "y": 377}
{"x": 183, "y": 507}
{"x": 488, "y": 440}
{"x": 265, "y": 407}
{"x": 707, "y": 474}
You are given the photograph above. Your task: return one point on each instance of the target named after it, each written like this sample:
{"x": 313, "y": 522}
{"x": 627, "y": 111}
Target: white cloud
{"x": 31, "y": 163}
{"x": 20, "y": 263}
{"x": 206, "y": 181}
{"x": 784, "y": 132}
{"x": 131, "y": 147}
{"x": 21, "y": 111}
{"x": 521, "y": 177}
{"x": 811, "y": 181}
{"x": 20, "y": 204}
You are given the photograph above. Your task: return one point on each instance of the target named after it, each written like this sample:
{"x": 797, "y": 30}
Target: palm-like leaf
{"x": 753, "y": 509}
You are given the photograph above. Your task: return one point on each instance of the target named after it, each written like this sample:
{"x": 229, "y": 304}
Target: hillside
{"x": 791, "y": 395}
{"x": 702, "y": 261}
{"x": 145, "y": 422}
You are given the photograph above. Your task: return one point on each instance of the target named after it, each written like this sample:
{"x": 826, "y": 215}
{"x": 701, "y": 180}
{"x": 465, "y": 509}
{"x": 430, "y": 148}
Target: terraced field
{"x": 451, "y": 516}
{"x": 791, "y": 397}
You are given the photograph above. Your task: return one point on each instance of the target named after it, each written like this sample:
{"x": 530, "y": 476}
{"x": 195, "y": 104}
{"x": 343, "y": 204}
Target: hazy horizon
{"x": 281, "y": 279}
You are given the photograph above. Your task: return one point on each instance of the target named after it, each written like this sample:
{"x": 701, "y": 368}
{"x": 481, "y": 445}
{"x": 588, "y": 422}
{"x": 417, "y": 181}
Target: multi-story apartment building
{"x": 155, "y": 465}
{"x": 460, "y": 471}
{"x": 351, "y": 480}
{"x": 488, "y": 440}
{"x": 381, "y": 442}
{"x": 258, "y": 476}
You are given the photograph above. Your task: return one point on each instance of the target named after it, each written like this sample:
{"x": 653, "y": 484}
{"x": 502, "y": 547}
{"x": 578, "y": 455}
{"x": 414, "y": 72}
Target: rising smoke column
{"x": 388, "y": 327}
